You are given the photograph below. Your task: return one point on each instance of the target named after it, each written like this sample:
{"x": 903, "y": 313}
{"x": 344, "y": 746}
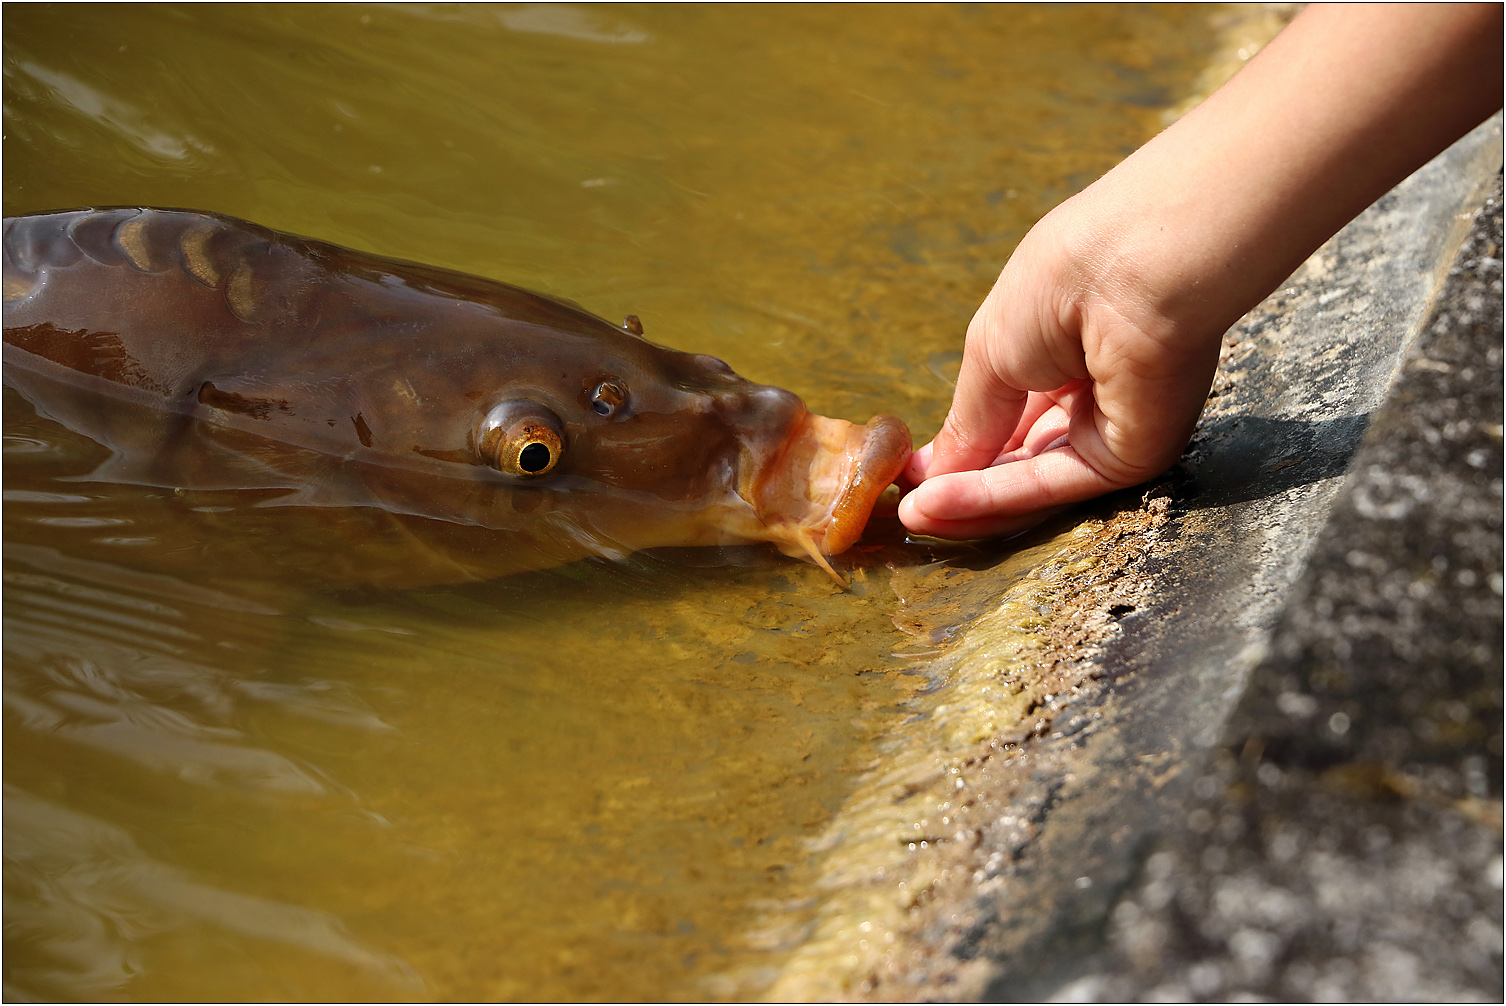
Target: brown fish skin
{"x": 210, "y": 353}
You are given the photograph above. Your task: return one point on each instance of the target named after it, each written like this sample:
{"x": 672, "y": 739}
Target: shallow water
{"x": 588, "y": 782}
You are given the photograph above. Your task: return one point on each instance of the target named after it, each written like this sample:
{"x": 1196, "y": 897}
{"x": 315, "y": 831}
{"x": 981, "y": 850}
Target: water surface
{"x": 587, "y": 782}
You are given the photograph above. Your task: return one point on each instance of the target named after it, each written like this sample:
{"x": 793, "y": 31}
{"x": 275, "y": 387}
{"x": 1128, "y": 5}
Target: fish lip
{"x": 816, "y": 496}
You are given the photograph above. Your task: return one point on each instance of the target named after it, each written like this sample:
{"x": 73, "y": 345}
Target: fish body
{"x": 499, "y": 429}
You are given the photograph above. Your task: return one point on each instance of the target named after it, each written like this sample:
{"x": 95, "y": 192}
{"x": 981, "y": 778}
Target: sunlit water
{"x": 579, "y": 783}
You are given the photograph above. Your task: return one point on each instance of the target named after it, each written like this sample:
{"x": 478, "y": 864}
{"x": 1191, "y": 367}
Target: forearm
{"x": 1214, "y": 213}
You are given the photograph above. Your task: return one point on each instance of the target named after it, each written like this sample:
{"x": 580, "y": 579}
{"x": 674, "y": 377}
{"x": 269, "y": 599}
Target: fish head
{"x": 647, "y": 447}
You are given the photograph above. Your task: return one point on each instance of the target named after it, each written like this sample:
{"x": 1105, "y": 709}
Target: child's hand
{"x": 1072, "y": 385}
{"x": 1087, "y": 365}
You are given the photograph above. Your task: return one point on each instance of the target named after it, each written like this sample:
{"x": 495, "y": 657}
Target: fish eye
{"x": 522, "y": 439}
{"x": 608, "y": 397}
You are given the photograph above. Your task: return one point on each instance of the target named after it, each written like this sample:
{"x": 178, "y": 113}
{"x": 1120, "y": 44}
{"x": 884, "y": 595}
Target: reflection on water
{"x": 94, "y": 897}
{"x": 595, "y": 781}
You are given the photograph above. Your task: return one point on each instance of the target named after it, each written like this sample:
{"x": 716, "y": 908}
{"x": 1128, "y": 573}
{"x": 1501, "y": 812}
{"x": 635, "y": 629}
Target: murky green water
{"x": 582, "y": 783}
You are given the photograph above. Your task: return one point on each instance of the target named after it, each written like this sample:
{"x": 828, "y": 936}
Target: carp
{"x": 488, "y": 429}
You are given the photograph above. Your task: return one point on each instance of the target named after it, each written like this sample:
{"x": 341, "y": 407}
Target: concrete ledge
{"x": 1084, "y": 716}
{"x": 1344, "y": 841}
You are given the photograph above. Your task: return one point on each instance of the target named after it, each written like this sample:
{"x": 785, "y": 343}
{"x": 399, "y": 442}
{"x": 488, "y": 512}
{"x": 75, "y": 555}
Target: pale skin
{"x": 1086, "y": 367}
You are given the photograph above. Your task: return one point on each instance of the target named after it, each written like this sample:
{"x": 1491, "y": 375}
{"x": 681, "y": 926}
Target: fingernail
{"x": 909, "y": 509}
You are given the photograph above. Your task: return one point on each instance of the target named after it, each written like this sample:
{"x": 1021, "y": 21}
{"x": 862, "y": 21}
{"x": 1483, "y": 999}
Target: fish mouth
{"x": 814, "y": 500}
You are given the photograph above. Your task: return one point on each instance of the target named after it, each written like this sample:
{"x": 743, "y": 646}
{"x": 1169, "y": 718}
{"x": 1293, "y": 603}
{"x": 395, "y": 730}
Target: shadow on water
{"x": 1242, "y": 459}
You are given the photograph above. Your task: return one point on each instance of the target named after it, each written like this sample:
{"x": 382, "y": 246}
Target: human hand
{"x": 1074, "y": 383}
{"x": 1086, "y": 367}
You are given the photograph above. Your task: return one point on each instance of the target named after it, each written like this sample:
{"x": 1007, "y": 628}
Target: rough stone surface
{"x": 1345, "y": 844}
{"x": 1271, "y": 776}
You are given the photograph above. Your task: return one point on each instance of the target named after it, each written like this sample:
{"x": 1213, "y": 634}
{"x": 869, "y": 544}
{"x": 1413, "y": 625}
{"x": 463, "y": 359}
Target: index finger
{"x": 981, "y": 422}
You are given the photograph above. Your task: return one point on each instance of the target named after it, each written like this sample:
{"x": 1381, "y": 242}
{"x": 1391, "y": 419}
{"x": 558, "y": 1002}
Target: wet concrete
{"x": 1260, "y": 756}
{"x": 1344, "y": 843}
